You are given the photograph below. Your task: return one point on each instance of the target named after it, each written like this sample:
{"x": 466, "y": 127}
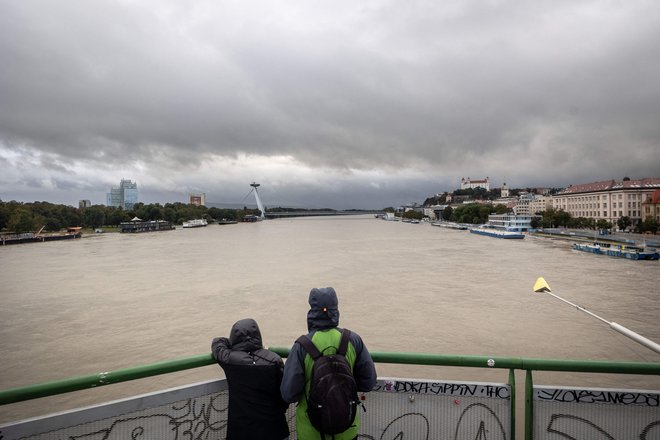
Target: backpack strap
{"x": 314, "y": 352}
{"x": 343, "y": 343}
{"x": 309, "y": 347}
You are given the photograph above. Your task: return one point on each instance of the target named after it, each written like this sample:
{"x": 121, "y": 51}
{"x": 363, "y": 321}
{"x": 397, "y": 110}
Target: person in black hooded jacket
{"x": 254, "y": 375}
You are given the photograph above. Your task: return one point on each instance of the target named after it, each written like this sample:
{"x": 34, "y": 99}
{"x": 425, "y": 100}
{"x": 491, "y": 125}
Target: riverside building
{"x": 523, "y": 205}
{"x": 540, "y": 204}
{"x": 651, "y": 207}
{"x": 126, "y": 196}
{"x": 607, "y": 200}
{"x": 197, "y": 199}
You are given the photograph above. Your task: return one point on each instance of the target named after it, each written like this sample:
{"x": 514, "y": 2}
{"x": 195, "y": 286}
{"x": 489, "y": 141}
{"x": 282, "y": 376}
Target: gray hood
{"x": 324, "y": 310}
{"x": 245, "y": 335}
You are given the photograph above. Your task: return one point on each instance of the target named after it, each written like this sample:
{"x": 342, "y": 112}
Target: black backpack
{"x": 333, "y": 397}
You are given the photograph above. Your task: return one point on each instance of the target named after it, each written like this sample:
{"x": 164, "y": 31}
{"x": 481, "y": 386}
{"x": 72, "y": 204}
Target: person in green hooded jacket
{"x": 322, "y": 323}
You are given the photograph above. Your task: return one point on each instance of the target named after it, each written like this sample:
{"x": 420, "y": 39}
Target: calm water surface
{"x": 113, "y": 301}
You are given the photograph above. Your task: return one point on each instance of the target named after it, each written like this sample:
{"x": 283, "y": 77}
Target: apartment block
{"x": 607, "y": 200}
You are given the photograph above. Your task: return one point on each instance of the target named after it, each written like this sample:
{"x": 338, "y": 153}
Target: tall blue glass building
{"x": 126, "y": 196}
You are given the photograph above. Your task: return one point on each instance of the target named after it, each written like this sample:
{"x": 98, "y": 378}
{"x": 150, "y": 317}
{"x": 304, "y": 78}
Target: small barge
{"x": 29, "y": 237}
{"x": 135, "y": 226}
{"x": 497, "y": 233}
{"x": 629, "y": 252}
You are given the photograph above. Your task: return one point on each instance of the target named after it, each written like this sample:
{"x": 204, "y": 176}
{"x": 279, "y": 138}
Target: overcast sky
{"x": 340, "y": 104}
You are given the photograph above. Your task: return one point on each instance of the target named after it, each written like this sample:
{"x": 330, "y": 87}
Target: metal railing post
{"x": 529, "y": 406}
{"x": 512, "y": 382}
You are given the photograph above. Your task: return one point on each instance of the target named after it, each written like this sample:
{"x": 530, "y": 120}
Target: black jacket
{"x": 254, "y": 374}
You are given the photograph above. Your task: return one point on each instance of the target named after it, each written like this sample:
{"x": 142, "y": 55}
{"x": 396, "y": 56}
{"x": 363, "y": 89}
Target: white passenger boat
{"x": 197, "y": 223}
{"x": 450, "y": 225}
{"x": 497, "y": 233}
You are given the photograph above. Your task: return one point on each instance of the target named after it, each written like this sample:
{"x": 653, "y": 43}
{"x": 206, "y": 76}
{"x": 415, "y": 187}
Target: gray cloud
{"x": 542, "y": 93}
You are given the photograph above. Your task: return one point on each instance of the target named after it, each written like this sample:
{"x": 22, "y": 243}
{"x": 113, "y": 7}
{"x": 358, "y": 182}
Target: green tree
{"x": 501, "y": 209}
{"x": 447, "y": 213}
{"x": 21, "y": 220}
{"x": 4, "y": 215}
{"x": 562, "y": 218}
{"x": 139, "y": 210}
{"x": 52, "y": 224}
{"x": 93, "y": 217}
{"x": 169, "y": 214}
{"x": 603, "y": 224}
{"x": 649, "y": 225}
{"x": 412, "y": 214}
{"x": 153, "y": 212}
{"x": 623, "y": 222}
{"x": 553, "y": 218}
{"x": 116, "y": 216}
{"x": 472, "y": 213}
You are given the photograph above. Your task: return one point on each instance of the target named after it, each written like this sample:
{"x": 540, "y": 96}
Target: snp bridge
{"x": 312, "y": 213}
{"x": 304, "y": 213}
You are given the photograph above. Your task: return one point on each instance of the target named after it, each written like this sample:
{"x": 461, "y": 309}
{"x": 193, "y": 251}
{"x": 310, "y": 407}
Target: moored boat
{"x": 29, "y": 237}
{"x": 450, "y": 225}
{"x": 619, "y": 251}
{"x": 497, "y": 233}
{"x": 196, "y": 223}
{"x": 136, "y": 226}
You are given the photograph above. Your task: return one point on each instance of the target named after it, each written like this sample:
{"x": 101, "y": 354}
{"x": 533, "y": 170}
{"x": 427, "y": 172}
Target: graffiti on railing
{"x": 411, "y": 425}
{"x": 575, "y": 428}
{"x": 607, "y": 414}
{"x": 472, "y": 424}
{"x": 599, "y": 396}
{"x": 467, "y": 429}
{"x": 396, "y": 410}
{"x": 432, "y": 409}
{"x": 499, "y": 391}
{"x": 192, "y": 418}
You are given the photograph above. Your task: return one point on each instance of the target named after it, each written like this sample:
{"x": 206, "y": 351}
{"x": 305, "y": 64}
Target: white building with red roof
{"x": 475, "y": 183}
{"x": 608, "y": 199}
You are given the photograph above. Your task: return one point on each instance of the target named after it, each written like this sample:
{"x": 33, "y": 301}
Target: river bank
{"x": 642, "y": 240}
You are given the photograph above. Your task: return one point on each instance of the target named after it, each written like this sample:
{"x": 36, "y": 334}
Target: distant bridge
{"x": 317, "y": 213}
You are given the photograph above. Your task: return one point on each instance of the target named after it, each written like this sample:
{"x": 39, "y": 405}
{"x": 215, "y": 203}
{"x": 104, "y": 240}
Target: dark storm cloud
{"x": 539, "y": 93}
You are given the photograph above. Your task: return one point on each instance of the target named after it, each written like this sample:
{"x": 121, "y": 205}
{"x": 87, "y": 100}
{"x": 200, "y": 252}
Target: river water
{"x": 112, "y": 301}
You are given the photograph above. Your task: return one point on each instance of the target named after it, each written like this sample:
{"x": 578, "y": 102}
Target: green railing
{"x": 525, "y": 364}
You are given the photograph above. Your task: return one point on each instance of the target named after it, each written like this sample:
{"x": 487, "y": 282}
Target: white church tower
{"x": 505, "y": 190}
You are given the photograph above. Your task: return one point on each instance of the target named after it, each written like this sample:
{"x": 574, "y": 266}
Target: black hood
{"x": 245, "y": 335}
{"x": 324, "y": 310}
